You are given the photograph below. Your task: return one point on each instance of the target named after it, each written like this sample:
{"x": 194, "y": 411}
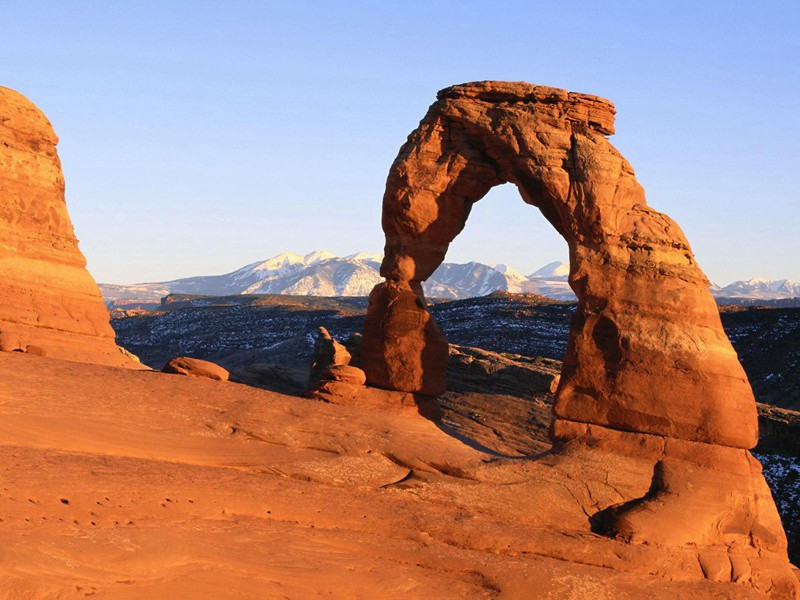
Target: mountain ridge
{"x": 322, "y": 273}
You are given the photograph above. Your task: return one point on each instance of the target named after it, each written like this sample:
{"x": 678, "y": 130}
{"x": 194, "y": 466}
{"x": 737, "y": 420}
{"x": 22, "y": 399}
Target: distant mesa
{"x": 49, "y": 304}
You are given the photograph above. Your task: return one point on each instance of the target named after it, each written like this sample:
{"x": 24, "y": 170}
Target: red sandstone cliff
{"x": 49, "y": 303}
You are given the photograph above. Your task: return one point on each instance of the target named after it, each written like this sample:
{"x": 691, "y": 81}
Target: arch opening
{"x": 504, "y": 230}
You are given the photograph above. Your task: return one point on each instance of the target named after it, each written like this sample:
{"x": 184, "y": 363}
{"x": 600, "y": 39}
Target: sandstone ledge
{"x": 251, "y": 493}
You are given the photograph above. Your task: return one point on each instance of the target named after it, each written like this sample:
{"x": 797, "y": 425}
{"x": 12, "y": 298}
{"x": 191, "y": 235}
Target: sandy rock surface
{"x": 130, "y": 484}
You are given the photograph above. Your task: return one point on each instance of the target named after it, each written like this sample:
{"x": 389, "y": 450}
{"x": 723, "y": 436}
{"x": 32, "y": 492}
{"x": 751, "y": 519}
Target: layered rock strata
{"x": 648, "y": 372}
{"x": 49, "y": 303}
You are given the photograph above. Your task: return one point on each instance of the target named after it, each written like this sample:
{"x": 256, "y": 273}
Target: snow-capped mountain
{"x": 759, "y": 289}
{"x": 328, "y": 276}
{"x": 558, "y": 271}
{"x": 319, "y": 273}
{"x": 515, "y": 280}
{"x": 324, "y": 274}
{"x": 551, "y": 281}
{"x": 452, "y": 280}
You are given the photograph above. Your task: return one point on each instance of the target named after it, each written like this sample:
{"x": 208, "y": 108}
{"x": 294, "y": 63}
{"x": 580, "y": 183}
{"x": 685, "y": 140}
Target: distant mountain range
{"x": 323, "y": 273}
{"x": 759, "y": 289}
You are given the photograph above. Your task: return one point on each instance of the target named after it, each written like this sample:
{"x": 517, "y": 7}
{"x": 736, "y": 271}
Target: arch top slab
{"x": 646, "y": 351}
{"x": 591, "y": 111}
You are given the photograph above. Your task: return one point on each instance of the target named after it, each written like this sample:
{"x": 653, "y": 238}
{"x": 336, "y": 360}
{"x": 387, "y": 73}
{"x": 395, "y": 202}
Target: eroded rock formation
{"x": 647, "y": 342}
{"x": 49, "y": 303}
{"x": 334, "y": 379}
{"x": 331, "y": 362}
{"x": 649, "y": 371}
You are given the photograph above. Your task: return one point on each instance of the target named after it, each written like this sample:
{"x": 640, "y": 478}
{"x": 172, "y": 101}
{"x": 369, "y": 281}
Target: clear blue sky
{"x": 200, "y": 136}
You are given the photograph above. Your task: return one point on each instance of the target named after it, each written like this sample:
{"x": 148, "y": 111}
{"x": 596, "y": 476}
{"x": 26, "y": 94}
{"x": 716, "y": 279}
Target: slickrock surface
{"x": 122, "y": 484}
{"x": 648, "y": 374}
{"x": 49, "y": 304}
{"x": 194, "y": 367}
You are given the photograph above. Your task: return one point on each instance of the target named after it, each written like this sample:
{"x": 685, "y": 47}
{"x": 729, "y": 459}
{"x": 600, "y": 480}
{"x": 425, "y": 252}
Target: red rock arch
{"x": 646, "y": 351}
{"x": 649, "y": 375}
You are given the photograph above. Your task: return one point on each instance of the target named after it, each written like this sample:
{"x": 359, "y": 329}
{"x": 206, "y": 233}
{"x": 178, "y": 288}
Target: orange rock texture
{"x": 649, "y": 371}
{"x": 120, "y": 484}
{"x": 194, "y": 367}
{"x": 647, "y": 351}
{"x": 49, "y": 303}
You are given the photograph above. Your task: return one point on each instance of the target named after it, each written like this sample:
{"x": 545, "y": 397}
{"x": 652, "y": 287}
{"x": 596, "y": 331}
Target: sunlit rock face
{"x": 648, "y": 372}
{"x": 647, "y": 351}
{"x": 49, "y": 303}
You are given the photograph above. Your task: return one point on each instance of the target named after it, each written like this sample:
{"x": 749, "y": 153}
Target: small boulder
{"x": 344, "y": 373}
{"x": 328, "y": 353}
{"x": 183, "y": 365}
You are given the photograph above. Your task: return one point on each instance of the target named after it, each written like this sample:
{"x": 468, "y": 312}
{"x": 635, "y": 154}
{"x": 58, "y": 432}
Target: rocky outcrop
{"x": 648, "y": 373}
{"x": 183, "y": 365}
{"x": 329, "y": 357}
{"x": 333, "y": 379}
{"x": 49, "y": 303}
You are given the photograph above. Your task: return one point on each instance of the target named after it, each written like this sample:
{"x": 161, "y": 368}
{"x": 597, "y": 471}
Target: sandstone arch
{"x": 649, "y": 372}
{"x": 647, "y": 351}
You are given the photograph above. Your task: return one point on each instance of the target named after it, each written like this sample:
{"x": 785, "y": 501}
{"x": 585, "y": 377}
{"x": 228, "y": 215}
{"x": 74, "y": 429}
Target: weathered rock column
{"x": 49, "y": 303}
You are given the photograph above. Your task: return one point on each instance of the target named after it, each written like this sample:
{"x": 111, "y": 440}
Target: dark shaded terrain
{"x": 238, "y": 330}
{"x": 768, "y": 343}
{"x": 783, "y": 476}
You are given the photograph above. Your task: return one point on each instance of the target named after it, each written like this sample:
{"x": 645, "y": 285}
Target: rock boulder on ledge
{"x": 183, "y": 365}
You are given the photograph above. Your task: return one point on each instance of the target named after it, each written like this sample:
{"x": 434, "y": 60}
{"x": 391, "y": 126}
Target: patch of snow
{"x": 554, "y": 270}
